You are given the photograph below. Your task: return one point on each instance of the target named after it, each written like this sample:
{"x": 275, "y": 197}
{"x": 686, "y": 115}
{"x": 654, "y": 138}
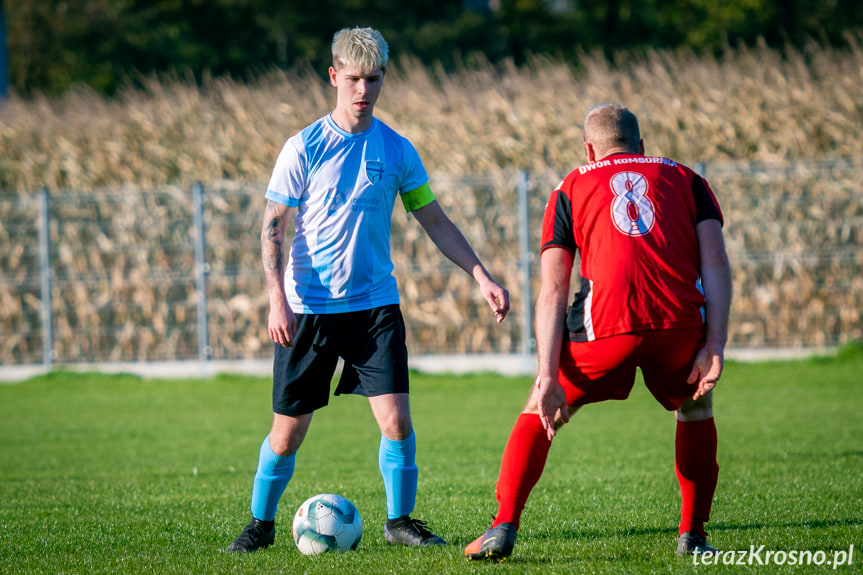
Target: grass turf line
{"x": 112, "y": 473}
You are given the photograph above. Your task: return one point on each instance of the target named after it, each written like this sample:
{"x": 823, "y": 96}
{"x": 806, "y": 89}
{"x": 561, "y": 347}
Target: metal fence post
{"x": 4, "y": 57}
{"x": 201, "y": 269}
{"x": 526, "y": 343}
{"x": 45, "y": 277}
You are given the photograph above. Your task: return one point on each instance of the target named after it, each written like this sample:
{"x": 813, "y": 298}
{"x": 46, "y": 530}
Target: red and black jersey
{"x": 632, "y": 218}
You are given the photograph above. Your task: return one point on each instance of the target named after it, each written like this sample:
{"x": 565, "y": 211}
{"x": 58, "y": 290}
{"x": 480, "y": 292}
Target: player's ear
{"x": 590, "y": 151}
{"x": 333, "y": 73}
{"x": 641, "y": 146}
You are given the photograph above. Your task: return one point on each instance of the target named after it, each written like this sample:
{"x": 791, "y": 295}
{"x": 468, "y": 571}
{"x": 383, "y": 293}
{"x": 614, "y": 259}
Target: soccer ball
{"x": 327, "y": 522}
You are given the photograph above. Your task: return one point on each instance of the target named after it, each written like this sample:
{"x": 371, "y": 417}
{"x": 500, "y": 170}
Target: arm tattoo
{"x": 272, "y": 240}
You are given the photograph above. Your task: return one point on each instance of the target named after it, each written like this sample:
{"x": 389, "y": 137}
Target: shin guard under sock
{"x": 271, "y": 479}
{"x": 396, "y": 460}
{"x": 697, "y": 472}
{"x": 521, "y": 467}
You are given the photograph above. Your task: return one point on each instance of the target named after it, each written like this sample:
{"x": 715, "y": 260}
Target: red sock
{"x": 697, "y": 472}
{"x": 521, "y": 467}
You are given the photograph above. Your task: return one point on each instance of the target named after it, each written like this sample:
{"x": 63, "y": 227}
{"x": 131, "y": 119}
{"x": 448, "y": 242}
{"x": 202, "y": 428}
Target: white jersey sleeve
{"x": 288, "y": 179}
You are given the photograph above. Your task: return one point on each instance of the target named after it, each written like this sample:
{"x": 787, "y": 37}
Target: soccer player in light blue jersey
{"x": 332, "y": 292}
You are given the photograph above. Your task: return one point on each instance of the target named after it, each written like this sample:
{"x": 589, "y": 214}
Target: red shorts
{"x": 604, "y": 369}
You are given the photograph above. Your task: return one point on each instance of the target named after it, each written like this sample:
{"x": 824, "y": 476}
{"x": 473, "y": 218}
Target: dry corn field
{"x": 777, "y": 135}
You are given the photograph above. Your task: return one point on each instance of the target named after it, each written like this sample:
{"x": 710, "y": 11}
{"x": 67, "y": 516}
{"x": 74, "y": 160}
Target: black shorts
{"x": 372, "y": 343}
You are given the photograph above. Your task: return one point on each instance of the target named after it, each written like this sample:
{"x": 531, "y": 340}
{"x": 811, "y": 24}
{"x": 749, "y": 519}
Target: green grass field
{"x": 116, "y": 474}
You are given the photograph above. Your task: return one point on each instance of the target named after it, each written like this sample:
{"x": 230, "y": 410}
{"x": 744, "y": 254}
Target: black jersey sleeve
{"x": 706, "y": 207}
{"x": 557, "y": 223}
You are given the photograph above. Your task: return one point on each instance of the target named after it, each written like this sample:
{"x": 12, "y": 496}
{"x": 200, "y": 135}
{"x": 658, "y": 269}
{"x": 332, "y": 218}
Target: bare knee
{"x": 532, "y": 407}
{"x": 288, "y": 433}
{"x": 396, "y": 426}
{"x": 696, "y": 410}
{"x": 393, "y": 415}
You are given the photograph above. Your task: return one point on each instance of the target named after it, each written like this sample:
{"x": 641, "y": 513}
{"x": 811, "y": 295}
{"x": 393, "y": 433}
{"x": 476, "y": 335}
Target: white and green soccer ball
{"x": 327, "y": 522}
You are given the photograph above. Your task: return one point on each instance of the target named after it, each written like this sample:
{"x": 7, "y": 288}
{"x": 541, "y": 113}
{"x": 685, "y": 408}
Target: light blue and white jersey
{"x": 344, "y": 187}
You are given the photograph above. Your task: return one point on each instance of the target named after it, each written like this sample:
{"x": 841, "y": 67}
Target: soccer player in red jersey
{"x": 655, "y": 294}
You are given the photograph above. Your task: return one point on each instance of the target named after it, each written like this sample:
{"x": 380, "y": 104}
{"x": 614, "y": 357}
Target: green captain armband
{"x": 418, "y": 198}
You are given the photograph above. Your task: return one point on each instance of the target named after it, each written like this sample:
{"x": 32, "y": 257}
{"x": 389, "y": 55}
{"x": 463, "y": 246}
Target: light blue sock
{"x": 398, "y": 468}
{"x": 271, "y": 479}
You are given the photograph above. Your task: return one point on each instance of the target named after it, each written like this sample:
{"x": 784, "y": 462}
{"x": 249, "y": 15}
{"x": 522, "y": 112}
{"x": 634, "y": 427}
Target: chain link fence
{"x": 122, "y": 275}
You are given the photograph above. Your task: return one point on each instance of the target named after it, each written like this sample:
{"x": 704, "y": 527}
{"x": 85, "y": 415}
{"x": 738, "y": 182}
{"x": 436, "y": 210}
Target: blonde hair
{"x": 362, "y": 48}
{"x": 611, "y": 125}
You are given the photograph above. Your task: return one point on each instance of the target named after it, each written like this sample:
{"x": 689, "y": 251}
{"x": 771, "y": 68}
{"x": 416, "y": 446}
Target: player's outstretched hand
{"x": 707, "y": 368}
{"x": 551, "y": 402}
{"x": 497, "y": 297}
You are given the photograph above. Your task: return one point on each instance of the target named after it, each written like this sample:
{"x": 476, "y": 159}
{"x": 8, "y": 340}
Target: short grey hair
{"x": 363, "y": 48}
{"x": 610, "y": 125}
